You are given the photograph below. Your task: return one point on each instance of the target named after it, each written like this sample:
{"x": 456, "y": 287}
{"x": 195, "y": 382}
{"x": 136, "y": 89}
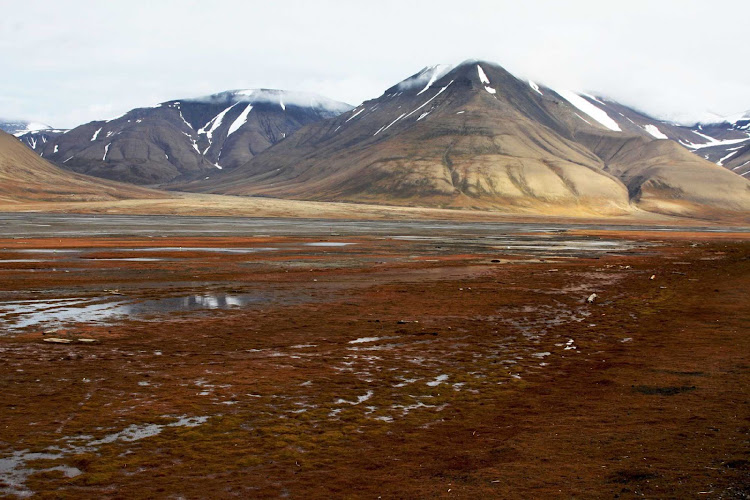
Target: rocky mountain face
{"x": 476, "y": 136}
{"x": 34, "y": 134}
{"x": 725, "y": 142}
{"x": 187, "y": 138}
{"x": 37, "y": 139}
{"x": 24, "y": 177}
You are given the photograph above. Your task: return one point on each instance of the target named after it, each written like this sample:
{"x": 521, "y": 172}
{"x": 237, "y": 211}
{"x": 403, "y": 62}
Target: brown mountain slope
{"x": 187, "y": 138}
{"x": 476, "y": 136}
{"x": 24, "y": 176}
{"x": 664, "y": 177}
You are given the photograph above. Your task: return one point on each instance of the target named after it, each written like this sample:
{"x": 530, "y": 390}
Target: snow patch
{"x": 594, "y": 112}
{"x": 535, "y": 87}
{"x": 389, "y": 125}
{"x": 185, "y": 121}
{"x": 354, "y": 115}
{"x": 424, "y": 78}
{"x": 486, "y": 81}
{"x": 364, "y": 339}
{"x": 712, "y": 141}
{"x": 654, "y": 131}
{"x": 482, "y": 76}
{"x": 215, "y": 123}
{"x": 438, "y": 380}
{"x": 430, "y": 99}
{"x": 240, "y": 121}
{"x": 721, "y": 162}
{"x": 96, "y": 134}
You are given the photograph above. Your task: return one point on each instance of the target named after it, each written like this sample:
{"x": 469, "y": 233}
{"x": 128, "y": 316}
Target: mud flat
{"x": 320, "y": 359}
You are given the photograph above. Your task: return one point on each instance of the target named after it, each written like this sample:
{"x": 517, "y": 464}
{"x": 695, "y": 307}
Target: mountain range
{"x": 474, "y": 135}
{"x": 186, "y": 138}
{"x": 470, "y": 135}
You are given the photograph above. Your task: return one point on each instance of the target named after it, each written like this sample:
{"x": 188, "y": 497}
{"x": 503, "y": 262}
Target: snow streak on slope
{"x": 594, "y": 112}
{"x": 486, "y": 81}
{"x": 712, "y": 141}
{"x": 215, "y": 123}
{"x": 437, "y": 71}
{"x": 240, "y": 121}
{"x": 654, "y": 131}
{"x": 407, "y": 115}
{"x": 721, "y": 162}
{"x": 425, "y": 78}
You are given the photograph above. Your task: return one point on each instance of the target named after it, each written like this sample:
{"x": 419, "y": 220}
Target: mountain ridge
{"x": 476, "y": 135}
{"x": 186, "y": 138}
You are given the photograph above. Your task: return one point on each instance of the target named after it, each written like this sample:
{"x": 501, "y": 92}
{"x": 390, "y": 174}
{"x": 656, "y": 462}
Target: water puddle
{"x": 14, "y": 471}
{"x": 51, "y": 313}
{"x": 44, "y": 250}
{"x": 129, "y": 259}
{"x": 197, "y": 249}
{"x": 328, "y": 244}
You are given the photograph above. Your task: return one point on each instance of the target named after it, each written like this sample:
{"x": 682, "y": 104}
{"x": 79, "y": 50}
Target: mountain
{"x": 725, "y": 142}
{"x": 474, "y": 135}
{"x": 20, "y": 127}
{"x": 34, "y": 134}
{"x": 24, "y": 176}
{"x": 187, "y": 138}
{"x": 37, "y": 139}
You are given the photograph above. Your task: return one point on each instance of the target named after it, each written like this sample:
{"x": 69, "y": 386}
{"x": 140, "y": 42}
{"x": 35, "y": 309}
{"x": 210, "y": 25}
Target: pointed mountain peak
{"x": 474, "y": 73}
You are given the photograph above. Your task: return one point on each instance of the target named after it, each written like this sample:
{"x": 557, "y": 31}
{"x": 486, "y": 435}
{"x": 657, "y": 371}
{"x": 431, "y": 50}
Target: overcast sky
{"x": 70, "y": 62}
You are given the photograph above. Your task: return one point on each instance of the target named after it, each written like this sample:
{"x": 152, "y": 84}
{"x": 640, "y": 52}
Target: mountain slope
{"x": 726, "y": 142}
{"x": 187, "y": 138}
{"x": 24, "y": 176}
{"x": 475, "y": 135}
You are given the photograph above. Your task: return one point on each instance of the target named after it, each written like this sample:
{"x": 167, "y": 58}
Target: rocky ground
{"x": 438, "y": 364}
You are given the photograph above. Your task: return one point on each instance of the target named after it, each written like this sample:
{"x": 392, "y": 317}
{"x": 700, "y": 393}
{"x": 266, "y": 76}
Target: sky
{"x": 69, "y": 62}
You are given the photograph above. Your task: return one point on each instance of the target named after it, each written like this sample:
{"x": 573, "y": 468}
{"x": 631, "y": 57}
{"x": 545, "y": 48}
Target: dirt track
{"x": 393, "y": 367}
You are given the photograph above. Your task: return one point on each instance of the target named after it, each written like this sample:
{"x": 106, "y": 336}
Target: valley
{"x": 169, "y": 356}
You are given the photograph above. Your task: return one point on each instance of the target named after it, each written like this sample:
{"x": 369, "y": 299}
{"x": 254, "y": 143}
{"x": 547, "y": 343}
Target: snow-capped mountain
{"x": 21, "y": 127}
{"x": 37, "y": 139}
{"x": 725, "y": 142}
{"x": 34, "y": 134}
{"x": 188, "y": 138}
{"x": 475, "y": 135}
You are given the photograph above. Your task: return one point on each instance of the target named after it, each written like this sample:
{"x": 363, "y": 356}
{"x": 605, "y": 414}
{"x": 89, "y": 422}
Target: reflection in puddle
{"x": 20, "y": 314}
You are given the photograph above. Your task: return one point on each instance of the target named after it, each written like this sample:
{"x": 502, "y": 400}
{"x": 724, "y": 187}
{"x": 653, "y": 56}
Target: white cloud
{"x": 66, "y": 62}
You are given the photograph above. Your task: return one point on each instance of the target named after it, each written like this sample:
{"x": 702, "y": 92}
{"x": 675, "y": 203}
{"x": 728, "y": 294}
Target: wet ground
{"x": 193, "y": 357}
